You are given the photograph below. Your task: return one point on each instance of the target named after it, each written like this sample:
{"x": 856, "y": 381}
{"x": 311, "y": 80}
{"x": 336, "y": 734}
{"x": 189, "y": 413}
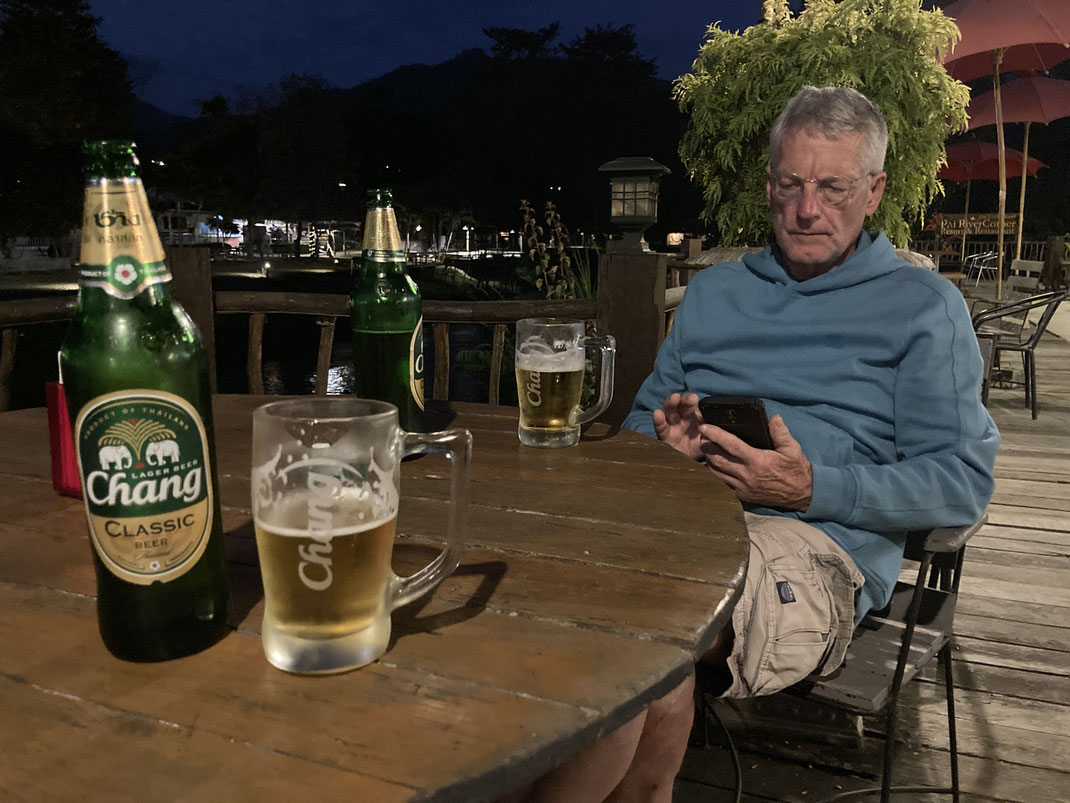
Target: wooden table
{"x": 592, "y": 578}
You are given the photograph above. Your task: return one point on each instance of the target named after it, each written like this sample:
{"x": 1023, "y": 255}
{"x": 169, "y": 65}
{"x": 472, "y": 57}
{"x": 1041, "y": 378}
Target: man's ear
{"x": 876, "y": 192}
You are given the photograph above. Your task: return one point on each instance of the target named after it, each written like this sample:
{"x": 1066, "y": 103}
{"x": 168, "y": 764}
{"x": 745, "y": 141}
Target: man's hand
{"x": 678, "y": 423}
{"x": 779, "y": 477}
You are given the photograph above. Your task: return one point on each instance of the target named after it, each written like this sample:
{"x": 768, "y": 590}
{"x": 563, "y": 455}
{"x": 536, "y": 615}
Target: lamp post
{"x": 633, "y": 198}
{"x": 631, "y": 277}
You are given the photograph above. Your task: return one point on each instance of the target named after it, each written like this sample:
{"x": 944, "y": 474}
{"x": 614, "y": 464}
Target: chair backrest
{"x": 986, "y": 342}
{"x": 1027, "y": 267}
{"x": 1037, "y": 310}
{"x": 1042, "y": 322}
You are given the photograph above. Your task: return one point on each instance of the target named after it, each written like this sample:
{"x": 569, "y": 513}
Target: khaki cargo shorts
{"x": 796, "y": 614}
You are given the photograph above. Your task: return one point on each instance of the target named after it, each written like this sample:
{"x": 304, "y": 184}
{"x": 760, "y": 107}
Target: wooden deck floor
{"x": 1011, "y": 654}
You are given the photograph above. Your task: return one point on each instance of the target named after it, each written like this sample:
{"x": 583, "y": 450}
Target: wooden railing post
{"x": 1053, "y": 263}
{"x": 8, "y": 340}
{"x": 191, "y": 282}
{"x": 631, "y": 301}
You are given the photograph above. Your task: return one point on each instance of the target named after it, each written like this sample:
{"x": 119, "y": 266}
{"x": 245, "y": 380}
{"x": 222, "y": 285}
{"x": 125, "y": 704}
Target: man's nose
{"x": 809, "y": 204}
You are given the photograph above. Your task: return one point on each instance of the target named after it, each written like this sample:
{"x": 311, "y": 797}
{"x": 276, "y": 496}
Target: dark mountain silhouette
{"x": 473, "y": 135}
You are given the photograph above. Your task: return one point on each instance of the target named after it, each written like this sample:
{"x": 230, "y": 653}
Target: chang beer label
{"x": 382, "y": 242}
{"x": 143, "y": 460}
{"x": 416, "y": 363}
{"x": 121, "y": 250}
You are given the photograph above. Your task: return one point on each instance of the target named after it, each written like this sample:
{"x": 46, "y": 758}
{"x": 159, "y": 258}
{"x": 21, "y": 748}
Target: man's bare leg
{"x": 661, "y": 748}
{"x": 591, "y": 775}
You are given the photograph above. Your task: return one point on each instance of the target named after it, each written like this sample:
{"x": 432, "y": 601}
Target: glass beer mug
{"x": 550, "y": 356}
{"x": 325, "y": 498}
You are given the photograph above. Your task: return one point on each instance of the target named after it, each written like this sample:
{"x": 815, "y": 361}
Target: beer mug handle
{"x": 456, "y": 444}
{"x": 608, "y": 346}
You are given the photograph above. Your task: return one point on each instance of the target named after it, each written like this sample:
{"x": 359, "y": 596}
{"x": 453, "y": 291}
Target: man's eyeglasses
{"x": 832, "y": 190}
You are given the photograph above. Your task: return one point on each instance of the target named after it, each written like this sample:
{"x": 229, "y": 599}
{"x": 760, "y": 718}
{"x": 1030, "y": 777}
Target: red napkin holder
{"x": 65, "y": 479}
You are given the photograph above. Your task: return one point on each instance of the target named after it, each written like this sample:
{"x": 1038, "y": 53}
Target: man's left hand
{"x": 778, "y": 477}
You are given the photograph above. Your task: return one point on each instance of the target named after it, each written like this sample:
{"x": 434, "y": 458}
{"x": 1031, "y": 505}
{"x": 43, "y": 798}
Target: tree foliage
{"x": 518, "y": 43}
{"x": 59, "y": 85}
{"x": 890, "y": 50}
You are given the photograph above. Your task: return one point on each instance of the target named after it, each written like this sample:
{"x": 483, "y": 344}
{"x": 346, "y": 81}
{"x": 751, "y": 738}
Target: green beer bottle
{"x": 388, "y": 331}
{"x": 136, "y": 380}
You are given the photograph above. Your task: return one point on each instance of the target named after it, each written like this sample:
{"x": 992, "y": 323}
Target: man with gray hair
{"x": 872, "y": 374}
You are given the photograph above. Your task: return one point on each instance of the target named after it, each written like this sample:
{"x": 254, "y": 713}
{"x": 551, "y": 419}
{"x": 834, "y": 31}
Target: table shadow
{"x": 600, "y": 432}
{"x": 243, "y": 572}
{"x": 411, "y": 619}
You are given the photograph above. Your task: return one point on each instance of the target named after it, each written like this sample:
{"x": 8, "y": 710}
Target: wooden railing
{"x": 327, "y": 308}
{"x": 15, "y": 314}
{"x": 632, "y": 304}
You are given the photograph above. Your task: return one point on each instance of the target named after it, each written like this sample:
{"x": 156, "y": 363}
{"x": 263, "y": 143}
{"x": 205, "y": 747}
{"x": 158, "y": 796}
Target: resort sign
{"x": 973, "y": 224}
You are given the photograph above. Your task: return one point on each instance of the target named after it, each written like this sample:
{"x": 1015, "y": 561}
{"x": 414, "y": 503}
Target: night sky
{"x": 179, "y": 53}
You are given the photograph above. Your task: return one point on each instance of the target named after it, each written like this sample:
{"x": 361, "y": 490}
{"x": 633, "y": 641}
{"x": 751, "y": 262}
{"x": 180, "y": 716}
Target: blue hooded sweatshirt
{"x": 874, "y": 367}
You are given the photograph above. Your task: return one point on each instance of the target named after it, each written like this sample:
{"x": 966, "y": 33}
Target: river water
{"x": 290, "y": 342}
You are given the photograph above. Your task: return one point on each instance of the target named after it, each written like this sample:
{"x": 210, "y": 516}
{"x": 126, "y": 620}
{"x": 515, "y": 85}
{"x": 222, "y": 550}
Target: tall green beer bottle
{"x": 388, "y": 332}
{"x": 136, "y": 379}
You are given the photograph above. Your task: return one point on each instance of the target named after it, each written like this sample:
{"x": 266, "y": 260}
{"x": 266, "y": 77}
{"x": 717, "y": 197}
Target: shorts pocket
{"x": 844, "y": 582}
{"x": 801, "y": 620}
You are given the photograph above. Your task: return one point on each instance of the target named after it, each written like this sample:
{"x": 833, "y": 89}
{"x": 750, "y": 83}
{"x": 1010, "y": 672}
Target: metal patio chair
{"x": 890, "y": 648}
{"x": 1018, "y": 326}
{"x": 982, "y": 263}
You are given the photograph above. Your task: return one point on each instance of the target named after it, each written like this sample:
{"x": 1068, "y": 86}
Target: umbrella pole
{"x": 997, "y": 58}
{"x": 1021, "y": 195}
{"x": 965, "y": 225}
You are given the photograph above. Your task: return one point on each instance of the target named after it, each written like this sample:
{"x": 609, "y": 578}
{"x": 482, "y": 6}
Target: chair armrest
{"x": 952, "y": 539}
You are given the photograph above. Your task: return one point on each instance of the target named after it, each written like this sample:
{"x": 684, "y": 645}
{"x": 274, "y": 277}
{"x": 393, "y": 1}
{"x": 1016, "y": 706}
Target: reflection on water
{"x": 290, "y": 343}
{"x": 340, "y": 379}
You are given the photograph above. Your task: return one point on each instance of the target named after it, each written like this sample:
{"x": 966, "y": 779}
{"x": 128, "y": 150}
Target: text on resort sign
{"x": 981, "y": 223}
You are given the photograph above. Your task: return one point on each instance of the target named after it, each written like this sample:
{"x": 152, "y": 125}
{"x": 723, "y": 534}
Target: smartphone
{"x": 743, "y": 416}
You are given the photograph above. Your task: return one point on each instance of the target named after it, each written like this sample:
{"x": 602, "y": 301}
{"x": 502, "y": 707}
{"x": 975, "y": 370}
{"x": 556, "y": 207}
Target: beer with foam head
{"x": 549, "y": 387}
{"x": 550, "y": 360}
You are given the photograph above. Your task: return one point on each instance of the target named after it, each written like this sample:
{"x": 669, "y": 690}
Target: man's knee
{"x": 661, "y": 747}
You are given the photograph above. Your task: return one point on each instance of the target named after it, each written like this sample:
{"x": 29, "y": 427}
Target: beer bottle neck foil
{"x": 382, "y": 240}
{"x": 121, "y": 252}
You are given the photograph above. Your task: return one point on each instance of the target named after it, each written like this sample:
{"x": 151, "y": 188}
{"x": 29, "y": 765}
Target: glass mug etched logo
{"x": 339, "y": 497}
{"x": 325, "y": 494}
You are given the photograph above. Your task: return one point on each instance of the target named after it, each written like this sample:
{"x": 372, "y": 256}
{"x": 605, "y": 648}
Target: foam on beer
{"x": 535, "y": 355}
{"x": 352, "y": 514}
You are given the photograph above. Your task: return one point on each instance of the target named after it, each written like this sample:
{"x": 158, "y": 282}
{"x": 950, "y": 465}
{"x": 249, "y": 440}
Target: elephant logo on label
{"x": 146, "y": 438}
{"x": 115, "y": 457}
{"x": 156, "y": 453}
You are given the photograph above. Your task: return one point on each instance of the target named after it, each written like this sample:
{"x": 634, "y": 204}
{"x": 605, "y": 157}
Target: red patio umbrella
{"x": 1019, "y": 35}
{"x": 976, "y": 161}
{"x": 1032, "y": 35}
{"x": 1027, "y": 99}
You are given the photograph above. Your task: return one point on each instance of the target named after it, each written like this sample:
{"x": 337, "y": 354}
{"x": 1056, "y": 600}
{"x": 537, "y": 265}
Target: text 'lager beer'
{"x": 136, "y": 379}
{"x": 388, "y": 339}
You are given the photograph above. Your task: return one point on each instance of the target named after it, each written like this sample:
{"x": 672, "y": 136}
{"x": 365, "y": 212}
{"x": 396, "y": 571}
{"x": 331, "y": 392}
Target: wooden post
{"x": 1052, "y": 276}
{"x": 631, "y": 301}
{"x": 191, "y": 282}
{"x": 8, "y": 340}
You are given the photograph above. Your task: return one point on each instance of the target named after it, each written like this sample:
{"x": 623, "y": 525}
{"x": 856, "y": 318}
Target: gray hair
{"x": 835, "y": 111}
